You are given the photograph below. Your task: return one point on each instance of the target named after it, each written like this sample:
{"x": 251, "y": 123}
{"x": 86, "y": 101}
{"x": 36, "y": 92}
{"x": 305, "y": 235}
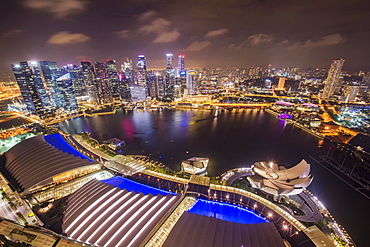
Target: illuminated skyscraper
{"x": 113, "y": 79}
{"x": 190, "y": 82}
{"x": 181, "y": 62}
{"x": 102, "y": 83}
{"x": 126, "y": 80}
{"x": 127, "y": 70}
{"x": 66, "y": 93}
{"x": 169, "y": 61}
{"x": 51, "y": 73}
{"x": 88, "y": 76}
{"x": 31, "y": 86}
{"x": 281, "y": 84}
{"x": 333, "y": 81}
{"x": 141, "y": 71}
{"x": 77, "y": 79}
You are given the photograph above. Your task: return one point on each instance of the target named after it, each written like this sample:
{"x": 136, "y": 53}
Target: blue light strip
{"x": 129, "y": 185}
{"x": 227, "y": 212}
{"x": 58, "y": 142}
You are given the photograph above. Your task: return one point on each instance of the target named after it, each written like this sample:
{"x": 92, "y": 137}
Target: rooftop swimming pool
{"x": 129, "y": 185}
{"x": 227, "y": 212}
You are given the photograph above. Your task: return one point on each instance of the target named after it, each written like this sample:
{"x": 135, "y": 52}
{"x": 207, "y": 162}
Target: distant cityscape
{"x": 48, "y": 89}
{"x": 329, "y": 104}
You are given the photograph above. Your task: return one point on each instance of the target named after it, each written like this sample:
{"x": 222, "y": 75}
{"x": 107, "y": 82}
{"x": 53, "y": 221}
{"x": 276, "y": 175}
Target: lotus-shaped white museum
{"x": 278, "y": 180}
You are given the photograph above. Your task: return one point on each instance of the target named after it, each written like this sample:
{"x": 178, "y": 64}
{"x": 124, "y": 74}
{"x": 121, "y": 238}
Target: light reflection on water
{"x": 229, "y": 139}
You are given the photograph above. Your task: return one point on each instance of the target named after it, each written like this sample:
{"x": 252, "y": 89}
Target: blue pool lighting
{"x": 227, "y": 212}
{"x": 58, "y": 142}
{"x": 129, "y": 185}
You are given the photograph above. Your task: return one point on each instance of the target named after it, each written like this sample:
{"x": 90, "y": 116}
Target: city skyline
{"x": 210, "y": 34}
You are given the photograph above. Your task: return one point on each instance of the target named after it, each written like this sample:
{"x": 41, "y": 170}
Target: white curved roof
{"x": 34, "y": 162}
{"x": 103, "y": 215}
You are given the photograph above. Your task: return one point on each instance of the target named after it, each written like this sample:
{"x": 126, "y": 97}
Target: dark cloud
{"x": 59, "y": 8}
{"x": 238, "y": 33}
{"x": 215, "y": 33}
{"x": 332, "y": 39}
{"x": 123, "y": 34}
{"x": 260, "y": 38}
{"x": 65, "y": 37}
{"x": 197, "y": 46}
{"x": 11, "y": 33}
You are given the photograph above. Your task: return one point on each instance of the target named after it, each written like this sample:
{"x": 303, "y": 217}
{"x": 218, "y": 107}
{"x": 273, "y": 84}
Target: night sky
{"x": 211, "y": 33}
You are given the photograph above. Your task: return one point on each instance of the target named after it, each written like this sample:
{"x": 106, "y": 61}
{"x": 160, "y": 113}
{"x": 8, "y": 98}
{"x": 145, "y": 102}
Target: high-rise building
{"x": 333, "y": 81}
{"x": 102, "y": 83}
{"x": 31, "y": 86}
{"x": 181, "y": 62}
{"x": 77, "y": 79}
{"x": 190, "y": 81}
{"x": 281, "y": 84}
{"x": 66, "y": 93}
{"x": 113, "y": 79}
{"x": 141, "y": 71}
{"x": 138, "y": 93}
{"x": 126, "y": 80}
{"x": 153, "y": 86}
{"x": 127, "y": 70}
{"x": 350, "y": 92}
{"x": 88, "y": 77}
{"x": 124, "y": 88}
{"x": 169, "y": 57}
{"x": 51, "y": 73}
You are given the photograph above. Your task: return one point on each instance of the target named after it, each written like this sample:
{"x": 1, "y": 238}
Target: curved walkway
{"x": 232, "y": 175}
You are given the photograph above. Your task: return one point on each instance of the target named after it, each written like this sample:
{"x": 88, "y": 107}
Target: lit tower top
{"x": 141, "y": 70}
{"x": 169, "y": 61}
{"x": 141, "y": 62}
{"x": 181, "y": 62}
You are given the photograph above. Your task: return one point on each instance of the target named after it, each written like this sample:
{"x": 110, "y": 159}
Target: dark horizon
{"x": 211, "y": 34}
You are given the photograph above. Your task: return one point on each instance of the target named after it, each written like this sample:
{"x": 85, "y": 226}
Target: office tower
{"x": 333, "y": 81}
{"x": 77, "y": 79}
{"x": 181, "y": 62}
{"x": 141, "y": 71}
{"x": 169, "y": 61}
{"x": 281, "y": 84}
{"x": 182, "y": 83}
{"x": 124, "y": 88}
{"x": 88, "y": 77}
{"x": 157, "y": 86}
{"x": 169, "y": 77}
{"x": 102, "y": 83}
{"x": 51, "y": 73}
{"x": 161, "y": 86}
{"x": 127, "y": 70}
{"x": 153, "y": 86}
{"x": 138, "y": 93}
{"x": 66, "y": 93}
{"x": 126, "y": 80}
{"x": 31, "y": 86}
{"x": 190, "y": 81}
{"x": 113, "y": 79}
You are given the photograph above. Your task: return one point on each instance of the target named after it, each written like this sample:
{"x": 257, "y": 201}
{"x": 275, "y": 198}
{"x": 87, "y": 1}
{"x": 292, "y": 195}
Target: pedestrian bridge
{"x": 230, "y": 176}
